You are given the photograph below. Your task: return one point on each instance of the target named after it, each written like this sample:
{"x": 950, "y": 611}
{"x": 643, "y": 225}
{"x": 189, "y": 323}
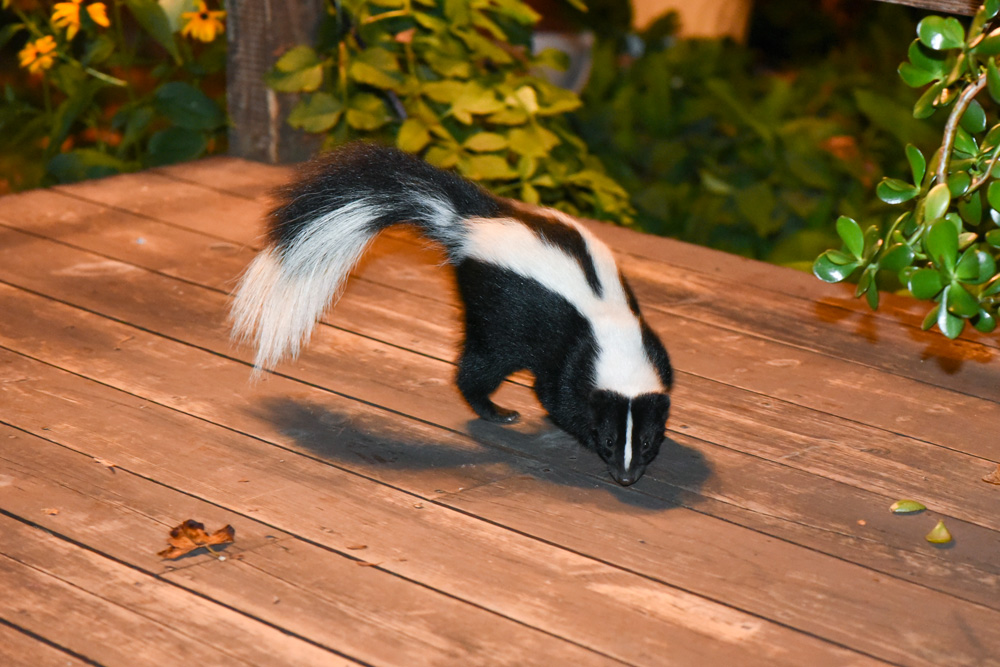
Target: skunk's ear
{"x": 652, "y": 408}
{"x": 600, "y": 398}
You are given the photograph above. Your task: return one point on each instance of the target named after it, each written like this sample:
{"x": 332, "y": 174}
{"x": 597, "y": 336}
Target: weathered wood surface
{"x": 966, "y": 7}
{"x": 378, "y": 523}
{"x": 257, "y": 34}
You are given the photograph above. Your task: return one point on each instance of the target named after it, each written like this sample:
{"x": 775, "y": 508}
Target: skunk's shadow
{"x": 372, "y": 444}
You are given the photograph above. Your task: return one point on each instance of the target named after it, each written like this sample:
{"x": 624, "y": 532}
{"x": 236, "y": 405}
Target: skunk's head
{"x": 627, "y": 432}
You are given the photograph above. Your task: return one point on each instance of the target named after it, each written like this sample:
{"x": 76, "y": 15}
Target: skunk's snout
{"x": 625, "y": 477}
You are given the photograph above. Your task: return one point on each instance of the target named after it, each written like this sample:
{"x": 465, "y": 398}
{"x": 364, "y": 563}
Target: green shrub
{"x": 454, "y": 82}
{"x": 106, "y": 88}
{"x": 716, "y": 150}
{"x": 945, "y": 247}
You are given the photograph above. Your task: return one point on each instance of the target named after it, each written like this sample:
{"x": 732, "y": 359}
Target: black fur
{"x": 386, "y": 175}
{"x": 512, "y": 322}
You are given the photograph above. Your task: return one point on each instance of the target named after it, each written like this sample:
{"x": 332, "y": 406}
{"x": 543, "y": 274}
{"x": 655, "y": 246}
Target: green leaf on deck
{"x": 939, "y": 534}
{"x": 906, "y": 507}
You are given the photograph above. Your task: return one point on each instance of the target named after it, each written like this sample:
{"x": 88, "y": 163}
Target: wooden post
{"x": 967, "y": 7}
{"x": 259, "y": 31}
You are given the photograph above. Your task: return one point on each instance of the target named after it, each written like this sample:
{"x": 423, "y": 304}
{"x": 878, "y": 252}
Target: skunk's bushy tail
{"x": 323, "y": 223}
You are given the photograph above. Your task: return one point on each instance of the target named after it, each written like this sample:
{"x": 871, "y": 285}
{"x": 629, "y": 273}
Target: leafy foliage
{"x": 453, "y": 82}
{"x": 944, "y": 248}
{"x": 117, "y": 89}
{"x": 717, "y": 151}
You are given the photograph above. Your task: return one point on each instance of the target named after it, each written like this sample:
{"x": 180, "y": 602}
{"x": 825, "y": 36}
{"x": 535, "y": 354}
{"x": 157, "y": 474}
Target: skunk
{"x": 540, "y": 292}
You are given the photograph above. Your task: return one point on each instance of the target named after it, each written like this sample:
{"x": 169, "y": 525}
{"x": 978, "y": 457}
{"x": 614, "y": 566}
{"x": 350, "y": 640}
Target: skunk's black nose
{"x": 627, "y": 478}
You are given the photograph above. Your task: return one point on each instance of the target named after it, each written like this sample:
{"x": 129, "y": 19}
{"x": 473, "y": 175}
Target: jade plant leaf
{"x": 925, "y": 283}
{"x": 895, "y": 191}
{"x": 936, "y": 203}
{"x": 941, "y": 33}
{"x": 941, "y": 243}
{"x": 975, "y": 267}
{"x": 960, "y": 302}
{"x": 897, "y": 257}
{"x": 974, "y": 118}
{"x": 918, "y": 164}
{"x": 939, "y": 534}
{"x": 830, "y": 271}
{"x": 906, "y": 507}
{"x": 850, "y": 233}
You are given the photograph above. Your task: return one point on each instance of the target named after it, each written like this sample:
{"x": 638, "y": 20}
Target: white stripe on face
{"x": 628, "y": 438}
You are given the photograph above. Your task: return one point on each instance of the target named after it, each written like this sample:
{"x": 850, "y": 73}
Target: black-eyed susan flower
{"x": 203, "y": 24}
{"x": 67, "y": 15}
{"x": 39, "y": 54}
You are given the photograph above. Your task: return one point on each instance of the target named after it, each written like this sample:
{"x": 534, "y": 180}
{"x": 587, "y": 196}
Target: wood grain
{"x": 19, "y": 648}
{"x": 386, "y": 267}
{"x": 269, "y": 574}
{"x": 723, "y": 541}
{"x": 112, "y": 614}
{"x": 533, "y": 582}
{"x": 879, "y": 461}
{"x": 965, "y": 7}
{"x": 761, "y": 535}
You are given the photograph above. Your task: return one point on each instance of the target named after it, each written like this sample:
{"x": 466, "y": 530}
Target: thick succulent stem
{"x": 951, "y": 127}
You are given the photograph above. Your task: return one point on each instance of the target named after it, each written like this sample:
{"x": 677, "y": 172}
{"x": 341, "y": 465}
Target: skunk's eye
{"x": 645, "y": 446}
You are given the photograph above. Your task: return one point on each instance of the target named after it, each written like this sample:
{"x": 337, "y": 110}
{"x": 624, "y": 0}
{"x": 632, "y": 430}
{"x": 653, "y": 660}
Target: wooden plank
{"x": 429, "y": 325}
{"x": 299, "y": 587}
{"x": 712, "y": 416}
{"x": 243, "y": 178}
{"x": 22, "y": 649}
{"x": 684, "y": 562}
{"x": 252, "y": 180}
{"x": 116, "y": 616}
{"x": 690, "y": 533}
{"x": 875, "y": 460}
{"x": 822, "y": 327}
{"x": 966, "y": 7}
{"x": 175, "y": 357}
{"x": 787, "y": 504}
{"x": 531, "y": 582}
{"x": 732, "y": 567}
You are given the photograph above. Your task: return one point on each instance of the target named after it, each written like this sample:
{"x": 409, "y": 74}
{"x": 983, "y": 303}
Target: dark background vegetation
{"x": 754, "y": 149}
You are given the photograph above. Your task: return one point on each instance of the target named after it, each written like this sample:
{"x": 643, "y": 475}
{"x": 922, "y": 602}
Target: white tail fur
{"x": 284, "y": 292}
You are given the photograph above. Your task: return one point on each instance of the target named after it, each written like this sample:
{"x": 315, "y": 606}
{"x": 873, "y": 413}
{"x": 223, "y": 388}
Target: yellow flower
{"x": 98, "y": 14}
{"x": 203, "y": 25}
{"x": 67, "y": 15}
{"x": 39, "y": 55}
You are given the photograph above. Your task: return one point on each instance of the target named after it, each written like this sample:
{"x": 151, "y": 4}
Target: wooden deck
{"x": 378, "y": 523}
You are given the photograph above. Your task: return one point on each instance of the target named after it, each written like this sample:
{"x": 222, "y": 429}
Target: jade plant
{"x": 944, "y": 247}
{"x": 456, "y": 83}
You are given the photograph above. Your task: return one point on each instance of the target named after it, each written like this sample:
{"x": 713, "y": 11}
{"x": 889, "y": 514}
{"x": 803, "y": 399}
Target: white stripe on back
{"x": 621, "y": 365}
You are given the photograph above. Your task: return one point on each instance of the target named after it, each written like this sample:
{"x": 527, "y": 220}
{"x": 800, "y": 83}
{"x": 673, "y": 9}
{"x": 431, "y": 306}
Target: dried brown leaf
{"x": 191, "y": 535}
{"x": 993, "y": 477}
